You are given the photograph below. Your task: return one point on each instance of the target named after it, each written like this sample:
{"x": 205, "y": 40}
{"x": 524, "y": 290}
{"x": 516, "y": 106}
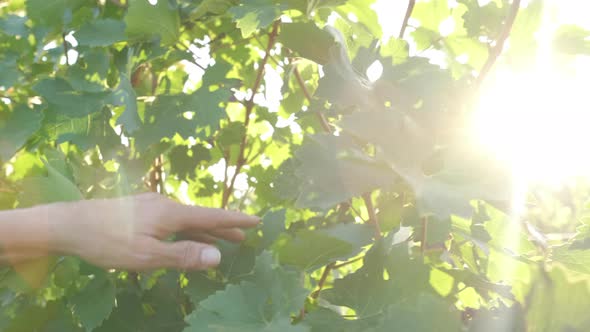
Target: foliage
{"x": 378, "y": 212}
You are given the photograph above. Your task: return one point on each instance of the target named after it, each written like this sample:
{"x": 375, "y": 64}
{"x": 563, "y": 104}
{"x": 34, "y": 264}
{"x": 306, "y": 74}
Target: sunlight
{"x": 538, "y": 123}
{"x": 537, "y": 120}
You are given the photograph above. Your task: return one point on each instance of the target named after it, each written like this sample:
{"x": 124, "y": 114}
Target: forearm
{"x": 28, "y": 233}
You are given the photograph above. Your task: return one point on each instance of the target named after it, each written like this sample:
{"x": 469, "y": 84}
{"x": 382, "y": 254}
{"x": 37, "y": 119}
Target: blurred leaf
{"x": 166, "y": 116}
{"x": 572, "y": 39}
{"x": 16, "y": 128}
{"x": 55, "y": 187}
{"x": 307, "y": 40}
{"x": 311, "y": 249}
{"x": 252, "y": 15}
{"x": 101, "y": 33}
{"x": 331, "y": 174}
{"x": 263, "y": 304}
{"x": 95, "y": 302}
{"x": 144, "y": 21}
{"x": 64, "y": 99}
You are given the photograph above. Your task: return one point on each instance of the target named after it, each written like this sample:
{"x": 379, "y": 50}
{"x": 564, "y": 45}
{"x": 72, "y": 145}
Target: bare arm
{"x": 126, "y": 233}
{"x": 26, "y": 234}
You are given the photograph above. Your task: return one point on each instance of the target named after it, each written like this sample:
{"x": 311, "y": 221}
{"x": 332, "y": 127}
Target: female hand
{"x": 130, "y": 232}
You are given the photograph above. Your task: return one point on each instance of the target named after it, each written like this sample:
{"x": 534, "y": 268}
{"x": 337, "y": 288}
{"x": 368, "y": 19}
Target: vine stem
{"x": 307, "y": 95}
{"x": 498, "y": 48}
{"x": 343, "y": 264}
{"x": 423, "y": 235}
{"x": 372, "y": 215}
{"x": 322, "y": 280}
{"x": 402, "y": 31}
{"x": 229, "y": 188}
{"x": 66, "y": 48}
{"x": 325, "y": 125}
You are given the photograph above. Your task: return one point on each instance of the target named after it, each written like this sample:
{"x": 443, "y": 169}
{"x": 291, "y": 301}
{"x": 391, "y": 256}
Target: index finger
{"x": 202, "y": 218}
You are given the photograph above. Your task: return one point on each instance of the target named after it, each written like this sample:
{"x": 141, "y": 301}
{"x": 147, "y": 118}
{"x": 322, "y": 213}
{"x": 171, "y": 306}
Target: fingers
{"x": 197, "y": 236}
{"x": 184, "y": 255}
{"x": 230, "y": 234}
{"x": 201, "y": 218}
{"x": 212, "y": 236}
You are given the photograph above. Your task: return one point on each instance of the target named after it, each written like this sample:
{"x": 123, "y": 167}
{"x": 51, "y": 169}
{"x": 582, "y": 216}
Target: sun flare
{"x": 538, "y": 123}
{"x": 538, "y": 120}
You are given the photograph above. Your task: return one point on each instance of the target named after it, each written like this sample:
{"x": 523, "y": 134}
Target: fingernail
{"x": 210, "y": 256}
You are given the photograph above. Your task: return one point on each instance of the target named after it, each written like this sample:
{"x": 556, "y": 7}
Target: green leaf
{"x": 215, "y": 7}
{"x": 410, "y": 315}
{"x": 252, "y": 15}
{"x": 431, "y": 13}
{"x": 102, "y": 32}
{"x": 165, "y": 117}
{"x": 522, "y": 36}
{"x": 87, "y": 132}
{"x": 124, "y": 95}
{"x": 16, "y": 129}
{"x": 52, "y": 13}
{"x": 144, "y": 21}
{"x": 557, "y": 302}
{"x": 575, "y": 260}
{"x": 307, "y": 40}
{"x": 95, "y": 302}
{"x": 341, "y": 83}
{"x": 368, "y": 292}
{"x": 322, "y": 319}
{"x": 393, "y": 132}
{"x": 365, "y": 14}
{"x": 332, "y": 173}
{"x": 10, "y": 72}
{"x": 397, "y": 49}
{"x": 263, "y": 304}
{"x": 128, "y": 314}
{"x": 572, "y": 39}
{"x": 13, "y": 25}
{"x": 310, "y": 249}
{"x": 55, "y": 187}
{"x": 184, "y": 160}
{"x": 273, "y": 224}
{"x": 64, "y": 99}
{"x": 467, "y": 175}
{"x": 200, "y": 287}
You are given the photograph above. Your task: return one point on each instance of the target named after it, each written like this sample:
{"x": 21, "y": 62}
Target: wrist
{"x": 30, "y": 233}
{"x": 56, "y": 220}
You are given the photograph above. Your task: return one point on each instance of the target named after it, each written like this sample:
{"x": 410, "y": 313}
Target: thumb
{"x": 188, "y": 255}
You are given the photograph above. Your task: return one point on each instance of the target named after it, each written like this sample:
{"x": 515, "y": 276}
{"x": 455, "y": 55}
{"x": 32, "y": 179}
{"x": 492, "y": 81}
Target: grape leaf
{"x": 55, "y": 187}
{"x": 263, "y": 303}
{"x": 64, "y": 99}
{"x": 252, "y": 15}
{"x": 10, "y": 72}
{"x": 166, "y": 116}
{"x": 124, "y": 95}
{"x": 144, "y": 21}
{"x": 52, "y": 13}
{"x": 309, "y": 249}
{"x": 102, "y": 32}
{"x": 13, "y": 25}
{"x": 556, "y": 302}
{"x": 572, "y": 39}
{"x": 95, "y": 302}
{"x": 308, "y": 40}
{"x": 331, "y": 174}
{"x": 16, "y": 128}
{"x": 273, "y": 224}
